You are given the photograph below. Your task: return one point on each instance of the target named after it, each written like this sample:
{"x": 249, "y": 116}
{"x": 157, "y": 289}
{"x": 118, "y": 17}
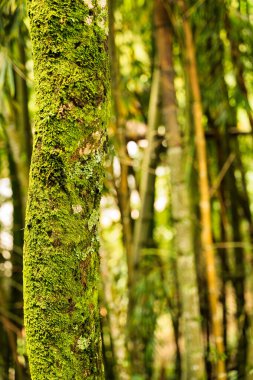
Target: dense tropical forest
{"x": 126, "y": 254}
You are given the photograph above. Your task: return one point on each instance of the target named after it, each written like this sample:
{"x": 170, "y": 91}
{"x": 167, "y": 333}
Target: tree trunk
{"x": 61, "y": 262}
{"x": 16, "y": 296}
{"x": 193, "y": 357}
{"x": 232, "y": 194}
{"x": 205, "y": 209}
{"x": 141, "y": 318}
{"x": 238, "y": 66}
{"x": 120, "y": 145}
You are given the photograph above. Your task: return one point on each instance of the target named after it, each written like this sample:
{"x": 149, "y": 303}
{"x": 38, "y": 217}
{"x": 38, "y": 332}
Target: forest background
{"x": 176, "y": 228}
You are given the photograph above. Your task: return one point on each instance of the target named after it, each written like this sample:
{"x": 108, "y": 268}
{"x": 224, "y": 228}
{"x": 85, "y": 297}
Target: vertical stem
{"x": 193, "y": 357}
{"x": 140, "y": 309}
{"x": 205, "y": 209}
{"x": 16, "y": 300}
{"x": 119, "y": 132}
{"x": 61, "y": 251}
{"x": 238, "y": 67}
{"x": 146, "y": 167}
{"x": 24, "y": 126}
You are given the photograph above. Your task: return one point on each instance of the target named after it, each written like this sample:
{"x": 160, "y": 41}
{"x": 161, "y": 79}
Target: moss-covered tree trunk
{"x": 61, "y": 262}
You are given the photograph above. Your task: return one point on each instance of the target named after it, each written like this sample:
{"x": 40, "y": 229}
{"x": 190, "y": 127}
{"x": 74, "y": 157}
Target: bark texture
{"x": 61, "y": 262}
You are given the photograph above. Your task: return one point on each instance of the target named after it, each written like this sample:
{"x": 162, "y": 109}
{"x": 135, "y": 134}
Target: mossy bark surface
{"x": 61, "y": 262}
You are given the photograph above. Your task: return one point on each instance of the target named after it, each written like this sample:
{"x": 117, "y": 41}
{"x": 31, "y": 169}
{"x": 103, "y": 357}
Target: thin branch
{"x": 222, "y": 174}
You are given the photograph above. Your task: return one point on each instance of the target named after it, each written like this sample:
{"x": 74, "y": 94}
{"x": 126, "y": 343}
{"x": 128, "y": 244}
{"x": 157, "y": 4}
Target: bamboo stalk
{"x": 145, "y": 169}
{"x": 140, "y": 342}
{"x": 119, "y": 133}
{"x": 205, "y": 208}
{"x": 238, "y": 69}
{"x": 193, "y": 355}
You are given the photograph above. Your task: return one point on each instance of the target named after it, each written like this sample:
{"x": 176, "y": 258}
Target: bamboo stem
{"x": 205, "y": 208}
{"x": 145, "y": 169}
{"x": 119, "y": 133}
{"x": 193, "y": 355}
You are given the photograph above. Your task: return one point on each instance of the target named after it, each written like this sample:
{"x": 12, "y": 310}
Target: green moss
{"x": 93, "y": 220}
{"x": 61, "y": 262}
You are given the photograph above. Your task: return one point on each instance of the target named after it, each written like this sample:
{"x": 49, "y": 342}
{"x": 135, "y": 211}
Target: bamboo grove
{"x": 176, "y": 224}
